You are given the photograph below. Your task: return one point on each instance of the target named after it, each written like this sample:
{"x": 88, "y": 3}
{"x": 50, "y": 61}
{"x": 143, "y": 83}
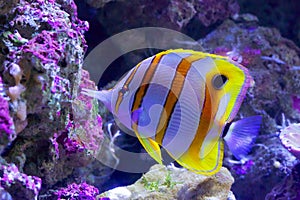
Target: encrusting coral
{"x": 42, "y": 49}
{"x": 77, "y": 191}
{"x": 7, "y": 130}
{"x": 11, "y": 179}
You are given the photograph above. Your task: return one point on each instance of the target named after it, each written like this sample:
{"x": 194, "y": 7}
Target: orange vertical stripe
{"x": 140, "y": 93}
{"x": 173, "y": 95}
{"x": 125, "y": 86}
{"x": 206, "y": 118}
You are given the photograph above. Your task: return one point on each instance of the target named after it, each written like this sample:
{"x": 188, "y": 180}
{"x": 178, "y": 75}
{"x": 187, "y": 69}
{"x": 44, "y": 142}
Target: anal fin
{"x": 208, "y": 165}
{"x": 151, "y": 147}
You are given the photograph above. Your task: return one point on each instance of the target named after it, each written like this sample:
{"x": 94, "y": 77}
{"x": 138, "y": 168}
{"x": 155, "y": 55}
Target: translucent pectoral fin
{"x": 242, "y": 134}
{"x": 208, "y": 165}
{"x": 151, "y": 147}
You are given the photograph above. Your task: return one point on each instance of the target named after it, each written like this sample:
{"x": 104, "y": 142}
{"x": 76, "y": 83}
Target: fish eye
{"x": 219, "y": 81}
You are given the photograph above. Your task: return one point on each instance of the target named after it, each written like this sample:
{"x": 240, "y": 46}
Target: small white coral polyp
{"x": 290, "y": 138}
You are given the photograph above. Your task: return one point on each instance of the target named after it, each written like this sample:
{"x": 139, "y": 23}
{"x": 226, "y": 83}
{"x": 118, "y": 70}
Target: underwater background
{"x": 55, "y": 143}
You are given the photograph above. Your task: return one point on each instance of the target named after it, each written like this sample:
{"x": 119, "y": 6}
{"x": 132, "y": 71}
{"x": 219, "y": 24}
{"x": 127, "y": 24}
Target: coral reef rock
{"x": 175, "y": 183}
{"x": 17, "y": 185}
{"x": 121, "y": 15}
{"x": 46, "y": 129}
{"x": 268, "y": 164}
{"x": 289, "y": 188}
{"x": 279, "y": 14}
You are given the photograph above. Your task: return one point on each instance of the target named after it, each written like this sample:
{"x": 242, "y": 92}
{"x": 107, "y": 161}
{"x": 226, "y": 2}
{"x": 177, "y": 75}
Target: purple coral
{"x": 244, "y": 56}
{"x": 290, "y": 138}
{"x": 41, "y": 61}
{"x": 45, "y": 38}
{"x": 84, "y": 131}
{"x": 242, "y": 169}
{"x": 86, "y": 122}
{"x": 296, "y": 102}
{"x": 7, "y": 132}
{"x": 6, "y": 124}
{"x": 10, "y": 176}
{"x": 77, "y": 191}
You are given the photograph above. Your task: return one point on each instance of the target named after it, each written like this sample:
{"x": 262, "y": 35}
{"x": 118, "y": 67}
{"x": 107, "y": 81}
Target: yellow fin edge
{"x": 209, "y": 165}
{"x": 151, "y": 147}
{"x": 199, "y": 53}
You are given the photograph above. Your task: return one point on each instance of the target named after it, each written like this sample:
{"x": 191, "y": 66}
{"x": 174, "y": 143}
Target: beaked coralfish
{"x": 182, "y": 100}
